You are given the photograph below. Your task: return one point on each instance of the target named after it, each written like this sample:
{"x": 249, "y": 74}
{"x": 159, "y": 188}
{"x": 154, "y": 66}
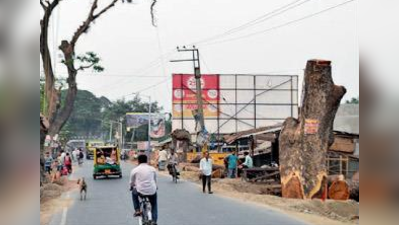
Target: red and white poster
{"x": 311, "y": 126}
{"x": 185, "y": 99}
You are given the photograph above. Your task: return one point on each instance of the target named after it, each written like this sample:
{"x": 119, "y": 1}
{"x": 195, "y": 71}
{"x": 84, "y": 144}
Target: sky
{"x": 136, "y": 54}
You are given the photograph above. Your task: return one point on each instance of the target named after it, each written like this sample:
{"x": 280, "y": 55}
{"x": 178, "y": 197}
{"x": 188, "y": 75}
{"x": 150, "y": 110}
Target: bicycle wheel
{"x": 144, "y": 216}
{"x": 174, "y": 174}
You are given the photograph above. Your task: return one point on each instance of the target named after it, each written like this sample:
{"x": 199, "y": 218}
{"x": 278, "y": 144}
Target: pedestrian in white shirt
{"x": 162, "y": 158}
{"x": 63, "y": 155}
{"x": 75, "y": 153}
{"x": 143, "y": 181}
{"x": 206, "y": 172}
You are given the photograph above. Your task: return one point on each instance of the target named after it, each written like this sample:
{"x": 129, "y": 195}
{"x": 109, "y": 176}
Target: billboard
{"x": 136, "y": 120}
{"x": 185, "y": 95}
{"x": 236, "y": 102}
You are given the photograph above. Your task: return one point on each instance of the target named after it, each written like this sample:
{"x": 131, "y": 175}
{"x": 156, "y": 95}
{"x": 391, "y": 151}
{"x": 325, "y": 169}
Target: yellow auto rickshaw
{"x": 107, "y": 162}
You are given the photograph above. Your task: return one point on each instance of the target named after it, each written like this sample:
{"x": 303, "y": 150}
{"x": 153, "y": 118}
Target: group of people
{"x": 61, "y": 165}
{"x": 110, "y": 159}
{"x": 235, "y": 167}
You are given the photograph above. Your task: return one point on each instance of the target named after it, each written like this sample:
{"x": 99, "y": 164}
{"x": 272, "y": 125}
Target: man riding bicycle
{"x": 143, "y": 182}
{"x": 173, "y": 161}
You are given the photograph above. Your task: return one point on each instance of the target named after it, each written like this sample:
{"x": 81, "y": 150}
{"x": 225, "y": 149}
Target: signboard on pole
{"x": 136, "y": 120}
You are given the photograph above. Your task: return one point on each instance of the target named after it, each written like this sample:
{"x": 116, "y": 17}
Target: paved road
{"x": 109, "y": 203}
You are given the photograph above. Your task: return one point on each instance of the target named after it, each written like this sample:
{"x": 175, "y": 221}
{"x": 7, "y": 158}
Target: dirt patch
{"x": 313, "y": 211}
{"x": 51, "y": 201}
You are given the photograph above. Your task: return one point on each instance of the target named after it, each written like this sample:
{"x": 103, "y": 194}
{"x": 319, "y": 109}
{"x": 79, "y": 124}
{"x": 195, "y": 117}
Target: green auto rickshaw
{"x": 107, "y": 162}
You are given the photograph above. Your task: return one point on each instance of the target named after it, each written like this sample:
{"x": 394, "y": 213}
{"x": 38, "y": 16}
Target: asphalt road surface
{"x": 109, "y": 203}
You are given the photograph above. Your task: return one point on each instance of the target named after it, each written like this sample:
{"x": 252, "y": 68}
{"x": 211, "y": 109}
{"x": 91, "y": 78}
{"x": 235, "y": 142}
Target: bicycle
{"x": 173, "y": 172}
{"x": 146, "y": 211}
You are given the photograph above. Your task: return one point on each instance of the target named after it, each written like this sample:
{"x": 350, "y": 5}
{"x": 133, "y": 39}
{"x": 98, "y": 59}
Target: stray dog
{"x": 82, "y": 189}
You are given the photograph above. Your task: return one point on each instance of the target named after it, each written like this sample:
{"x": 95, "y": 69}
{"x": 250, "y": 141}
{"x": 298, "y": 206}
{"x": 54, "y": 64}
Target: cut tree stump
{"x": 304, "y": 141}
{"x": 339, "y": 190}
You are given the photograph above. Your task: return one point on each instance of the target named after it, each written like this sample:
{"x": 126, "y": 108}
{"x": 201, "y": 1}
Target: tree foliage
{"x": 92, "y": 117}
{"x": 354, "y": 101}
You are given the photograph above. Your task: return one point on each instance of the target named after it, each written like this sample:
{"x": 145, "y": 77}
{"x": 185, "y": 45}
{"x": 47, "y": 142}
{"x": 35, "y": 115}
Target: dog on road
{"x": 82, "y": 188}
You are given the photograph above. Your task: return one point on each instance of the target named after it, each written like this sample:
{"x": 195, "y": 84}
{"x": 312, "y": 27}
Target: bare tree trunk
{"x": 43, "y": 133}
{"x": 66, "y": 111}
{"x": 52, "y": 95}
{"x": 58, "y": 116}
{"x": 304, "y": 142}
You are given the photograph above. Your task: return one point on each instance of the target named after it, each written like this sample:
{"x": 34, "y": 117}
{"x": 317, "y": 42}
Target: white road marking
{"x": 64, "y": 215}
{"x": 64, "y": 212}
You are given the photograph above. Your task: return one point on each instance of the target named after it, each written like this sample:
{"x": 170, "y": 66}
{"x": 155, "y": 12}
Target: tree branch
{"x": 105, "y": 9}
{"x": 86, "y": 67}
{"x": 90, "y": 19}
{"x": 154, "y": 2}
{"x": 43, "y": 5}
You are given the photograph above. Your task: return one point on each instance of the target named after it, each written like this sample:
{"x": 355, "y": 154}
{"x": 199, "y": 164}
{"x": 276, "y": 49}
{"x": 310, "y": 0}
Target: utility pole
{"x": 149, "y": 122}
{"x": 110, "y": 133}
{"x": 149, "y": 125}
{"x": 121, "y": 133}
{"x": 197, "y": 74}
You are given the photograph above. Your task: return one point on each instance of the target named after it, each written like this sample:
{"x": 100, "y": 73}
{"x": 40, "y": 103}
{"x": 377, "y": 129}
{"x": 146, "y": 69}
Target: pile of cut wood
{"x": 340, "y": 188}
{"x": 269, "y": 177}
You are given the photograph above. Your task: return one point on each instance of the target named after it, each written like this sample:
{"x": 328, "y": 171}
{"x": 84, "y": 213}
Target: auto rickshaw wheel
{"x": 94, "y": 177}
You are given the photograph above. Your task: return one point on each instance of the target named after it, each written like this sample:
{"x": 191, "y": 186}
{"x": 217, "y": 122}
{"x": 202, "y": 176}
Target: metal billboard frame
{"x": 292, "y": 81}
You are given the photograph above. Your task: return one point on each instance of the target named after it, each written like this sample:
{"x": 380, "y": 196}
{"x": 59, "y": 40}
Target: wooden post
{"x": 304, "y": 142}
{"x": 340, "y": 165}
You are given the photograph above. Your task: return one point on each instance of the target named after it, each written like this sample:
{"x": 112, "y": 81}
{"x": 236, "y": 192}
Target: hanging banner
{"x": 185, "y": 97}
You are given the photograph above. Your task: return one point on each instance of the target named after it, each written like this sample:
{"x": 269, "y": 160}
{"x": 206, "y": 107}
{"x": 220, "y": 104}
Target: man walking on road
{"x": 162, "y": 158}
{"x": 143, "y": 181}
{"x": 206, "y": 172}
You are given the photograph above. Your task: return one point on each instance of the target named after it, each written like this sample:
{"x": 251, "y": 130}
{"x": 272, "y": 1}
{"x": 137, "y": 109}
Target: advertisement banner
{"x": 158, "y": 127}
{"x": 136, "y": 120}
{"x": 185, "y": 98}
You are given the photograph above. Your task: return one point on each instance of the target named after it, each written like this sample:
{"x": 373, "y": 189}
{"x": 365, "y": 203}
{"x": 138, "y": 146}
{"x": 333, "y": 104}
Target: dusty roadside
{"x": 312, "y": 211}
{"x": 52, "y": 202}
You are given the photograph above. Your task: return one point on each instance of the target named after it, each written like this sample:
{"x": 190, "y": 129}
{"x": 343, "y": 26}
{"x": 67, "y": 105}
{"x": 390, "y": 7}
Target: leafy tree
{"x": 86, "y": 118}
{"x": 118, "y": 110}
{"x": 354, "y": 101}
{"x": 92, "y": 116}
